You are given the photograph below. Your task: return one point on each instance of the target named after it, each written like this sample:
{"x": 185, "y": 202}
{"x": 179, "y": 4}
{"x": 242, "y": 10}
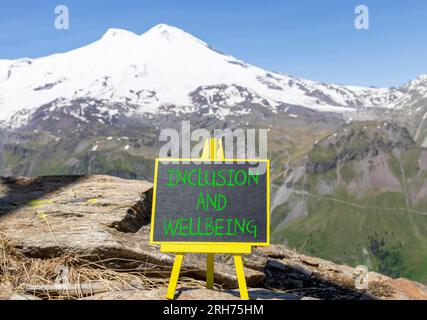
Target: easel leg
{"x": 210, "y": 270}
{"x": 174, "y": 276}
{"x": 241, "y": 277}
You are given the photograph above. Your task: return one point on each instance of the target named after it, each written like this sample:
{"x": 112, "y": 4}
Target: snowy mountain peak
{"x": 118, "y": 33}
{"x": 414, "y": 84}
{"x": 165, "y": 67}
{"x": 164, "y": 32}
{"x": 165, "y": 28}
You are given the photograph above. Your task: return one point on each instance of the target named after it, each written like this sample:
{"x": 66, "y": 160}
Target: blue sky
{"x": 312, "y": 39}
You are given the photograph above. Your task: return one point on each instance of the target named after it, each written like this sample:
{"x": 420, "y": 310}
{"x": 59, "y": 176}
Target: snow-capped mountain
{"x": 165, "y": 68}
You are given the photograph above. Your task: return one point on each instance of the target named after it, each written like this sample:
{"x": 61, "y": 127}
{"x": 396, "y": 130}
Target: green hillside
{"x": 364, "y": 196}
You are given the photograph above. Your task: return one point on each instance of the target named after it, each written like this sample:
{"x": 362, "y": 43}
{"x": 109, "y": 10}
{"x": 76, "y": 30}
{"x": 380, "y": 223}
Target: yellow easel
{"x": 212, "y": 151}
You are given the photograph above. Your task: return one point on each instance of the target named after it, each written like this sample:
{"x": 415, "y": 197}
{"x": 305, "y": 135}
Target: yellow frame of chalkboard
{"x": 170, "y": 245}
{"x": 212, "y": 152}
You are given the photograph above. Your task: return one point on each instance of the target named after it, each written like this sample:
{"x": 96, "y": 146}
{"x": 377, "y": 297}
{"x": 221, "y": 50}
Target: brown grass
{"x": 17, "y": 271}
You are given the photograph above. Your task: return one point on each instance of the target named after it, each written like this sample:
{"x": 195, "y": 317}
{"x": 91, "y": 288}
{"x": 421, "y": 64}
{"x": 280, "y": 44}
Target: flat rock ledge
{"x": 107, "y": 219}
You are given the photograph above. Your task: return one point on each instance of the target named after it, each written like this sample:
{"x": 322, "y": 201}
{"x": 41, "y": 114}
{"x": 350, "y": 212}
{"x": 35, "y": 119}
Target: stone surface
{"x": 20, "y": 296}
{"x": 6, "y": 291}
{"x": 156, "y": 294}
{"x": 160, "y": 294}
{"x": 192, "y": 294}
{"x": 288, "y": 270}
{"x": 407, "y": 290}
{"x": 100, "y": 217}
{"x": 205, "y": 294}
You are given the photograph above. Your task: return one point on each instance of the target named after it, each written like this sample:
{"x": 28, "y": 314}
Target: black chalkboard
{"x": 211, "y": 203}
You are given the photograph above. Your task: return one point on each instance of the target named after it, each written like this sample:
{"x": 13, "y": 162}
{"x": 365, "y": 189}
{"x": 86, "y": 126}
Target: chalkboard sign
{"x": 211, "y": 202}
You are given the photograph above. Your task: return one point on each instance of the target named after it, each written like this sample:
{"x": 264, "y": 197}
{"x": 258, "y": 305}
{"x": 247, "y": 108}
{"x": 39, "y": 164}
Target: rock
{"x": 275, "y": 251}
{"x": 254, "y": 294}
{"x": 257, "y": 260}
{"x": 264, "y": 294}
{"x": 299, "y": 268}
{"x": 310, "y": 261}
{"x": 377, "y": 277}
{"x": 6, "y": 291}
{"x": 156, "y": 294}
{"x": 102, "y": 218}
{"x": 323, "y": 279}
{"x": 192, "y": 294}
{"x": 367, "y": 296}
{"x": 20, "y": 296}
{"x": 296, "y": 271}
{"x": 160, "y": 294}
{"x": 407, "y": 290}
{"x": 78, "y": 214}
{"x": 277, "y": 264}
{"x": 309, "y": 298}
{"x": 67, "y": 289}
{"x": 205, "y": 294}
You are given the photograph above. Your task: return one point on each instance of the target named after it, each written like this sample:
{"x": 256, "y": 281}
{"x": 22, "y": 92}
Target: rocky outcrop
{"x": 358, "y": 141}
{"x": 194, "y": 294}
{"x": 106, "y": 219}
{"x": 102, "y": 218}
{"x": 308, "y": 276}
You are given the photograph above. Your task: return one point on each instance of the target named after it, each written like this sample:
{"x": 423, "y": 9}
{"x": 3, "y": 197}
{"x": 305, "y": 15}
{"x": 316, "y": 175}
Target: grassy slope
{"x": 43, "y": 154}
{"x": 363, "y": 230}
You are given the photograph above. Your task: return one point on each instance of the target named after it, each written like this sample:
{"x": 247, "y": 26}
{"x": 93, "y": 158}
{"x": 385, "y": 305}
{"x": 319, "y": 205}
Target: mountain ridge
{"x": 167, "y": 66}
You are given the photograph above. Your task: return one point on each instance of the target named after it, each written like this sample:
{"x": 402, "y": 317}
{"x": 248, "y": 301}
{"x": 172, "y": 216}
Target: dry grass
{"x": 17, "y": 271}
